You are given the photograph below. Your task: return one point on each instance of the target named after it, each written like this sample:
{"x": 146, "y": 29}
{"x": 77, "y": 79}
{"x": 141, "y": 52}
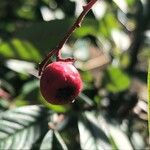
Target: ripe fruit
{"x": 60, "y": 83}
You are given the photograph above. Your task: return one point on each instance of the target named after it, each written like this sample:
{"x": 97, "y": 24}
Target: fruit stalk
{"x": 57, "y": 50}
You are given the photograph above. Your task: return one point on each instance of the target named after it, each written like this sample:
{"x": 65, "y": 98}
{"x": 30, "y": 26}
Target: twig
{"x": 57, "y": 50}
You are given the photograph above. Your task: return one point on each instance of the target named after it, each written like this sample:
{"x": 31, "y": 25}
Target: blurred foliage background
{"x": 112, "y": 50}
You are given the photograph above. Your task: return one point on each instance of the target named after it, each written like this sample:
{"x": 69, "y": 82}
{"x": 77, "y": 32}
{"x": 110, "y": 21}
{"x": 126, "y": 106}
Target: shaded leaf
{"x": 22, "y": 127}
{"x": 116, "y": 80}
{"x": 30, "y": 90}
{"x": 44, "y": 35}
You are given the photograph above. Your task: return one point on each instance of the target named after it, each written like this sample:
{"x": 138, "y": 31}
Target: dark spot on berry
{"x": 65, "y": 93}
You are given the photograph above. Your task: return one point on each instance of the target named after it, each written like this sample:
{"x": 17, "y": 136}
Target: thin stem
{"x": 44, "y": 63}
{"x": 76, "y": 25}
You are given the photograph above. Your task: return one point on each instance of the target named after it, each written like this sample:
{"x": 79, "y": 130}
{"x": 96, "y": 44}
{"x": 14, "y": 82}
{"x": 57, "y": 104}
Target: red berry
{"x": 60, "y": 83}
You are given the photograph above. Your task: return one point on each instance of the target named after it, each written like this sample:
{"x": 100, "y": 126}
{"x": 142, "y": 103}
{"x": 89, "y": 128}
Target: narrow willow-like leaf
{"x": 149, "y": 99}
{"x": 60, "y": 141}
{"x": 86, "y": 139}
{"x": 47, "y": 141}
{"x": 86, "y": 99}
{"x": 123, "y": 141}
{"x": 19, "y": 49}
{"x": 53, "y": 140}
{"x": 22, "y": 127}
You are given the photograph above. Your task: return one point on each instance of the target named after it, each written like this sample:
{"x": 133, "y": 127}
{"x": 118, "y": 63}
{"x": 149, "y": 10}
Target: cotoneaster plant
{"x": 60, "y": 81}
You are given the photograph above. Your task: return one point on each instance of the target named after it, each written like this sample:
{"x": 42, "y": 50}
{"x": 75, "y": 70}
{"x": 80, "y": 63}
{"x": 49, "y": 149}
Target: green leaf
{"x": 53, "y": 140}
{"x": 130, "y": 2}
{"x": 22, "y": 127}
{"x": 29, "y": 94}
{"x": 116, "y": 80}
{"x": 19, "y": 49}
{"x": 91, "y": 136}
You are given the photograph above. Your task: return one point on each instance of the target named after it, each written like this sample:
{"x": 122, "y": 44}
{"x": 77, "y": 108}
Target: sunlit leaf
{"x": 137, "y": 141}
{"x": 47, "y": 141}
{"x": 58, "y": 142}
{"x": 53, "y": 140}
{"x": 118, "y": 138}
{"x": 20, "y": 66}
{"x": 20, "y": 128}
{"x": 91, "y": 135}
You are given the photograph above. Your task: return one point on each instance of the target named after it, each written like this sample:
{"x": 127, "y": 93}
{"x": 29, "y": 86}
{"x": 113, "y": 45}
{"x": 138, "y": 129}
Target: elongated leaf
{"x": 47, "y": 141}
{"x": 86, "y": 99}
{"x": 21, "y": 128}
{"x": 53, "y": 140}
{"x": 86, "y": 139}
{"x": 58, "y": 142}
{"x": 91, "y": 136}
{"x": 20, "y": 66}
{"x": 119, "y": 140}
{"x": 19, "y": 49}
